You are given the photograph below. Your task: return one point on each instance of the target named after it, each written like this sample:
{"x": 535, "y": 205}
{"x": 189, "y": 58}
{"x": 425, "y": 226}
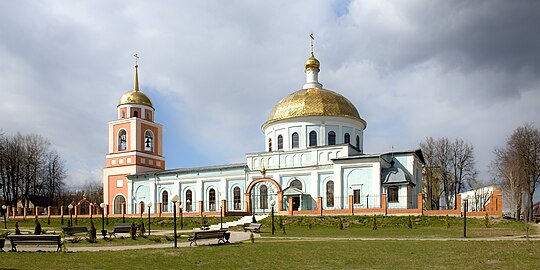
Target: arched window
{"x": 123, "y": 114}
{"x": 312, "y": 138}
{"x": 189, "y": 200}
{"x": 148, "y": 115}
{"x": 331, "y": 138}
{"x": 136, "y": 114}
{"x": 122, "y": 140}
{"x": 148, "y": 141}
{"x": 212, "y": 199}
{"x": 347, "y": 138}
{"x": 237, "y": 200}
{"x": 279, "y": 142}
{"x": 269, "y": 145}
{"x": 263, "y": 198}
{"x": 296, "y": 184}
{"x": 295, "y": 140}
{"x": 358, "y": 142}
{"x": 119, "y": 202}
{"x": 393, "y": 195}
{"x": 141, "y": 207}
{"x": 330, "y": 194}
{"x": 165, "y": 201}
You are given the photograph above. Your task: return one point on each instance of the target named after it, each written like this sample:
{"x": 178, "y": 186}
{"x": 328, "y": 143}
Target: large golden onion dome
{"x": 135, "y": 96}
{"x": 313, "y": 102}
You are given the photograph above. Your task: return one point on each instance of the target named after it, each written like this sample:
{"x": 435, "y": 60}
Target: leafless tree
{"x": 511, "y": 178}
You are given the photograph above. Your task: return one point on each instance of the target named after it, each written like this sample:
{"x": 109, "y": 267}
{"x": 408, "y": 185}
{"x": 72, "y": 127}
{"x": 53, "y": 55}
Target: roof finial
{"x": 263, "y": 170}
{"x": 136, "y": 72}
{"x": 311, "y": 39}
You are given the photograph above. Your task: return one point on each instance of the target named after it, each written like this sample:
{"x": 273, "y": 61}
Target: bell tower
{"x": 135, "y": 145}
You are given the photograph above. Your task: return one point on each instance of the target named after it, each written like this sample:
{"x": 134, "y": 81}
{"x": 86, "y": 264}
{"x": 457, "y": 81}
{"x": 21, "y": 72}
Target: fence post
{"x": 159, "y": 204}
{"x": 421, "y": 203}
{"x": 223, "y": 207}
{"x": 291, "y": 206}
{"x": 36, "y": 211}
{"x": 351, "y": 204}
{"x": 25, "y": 212}
{"x": 320, "y": 205}
{"x": 383, "y": 204}
{"x": 201, "y": 209}
{"x": 49, "y": 211}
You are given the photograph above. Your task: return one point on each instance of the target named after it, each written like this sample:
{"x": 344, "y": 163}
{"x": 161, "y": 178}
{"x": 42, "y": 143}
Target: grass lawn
{"x": 296, "y": 255}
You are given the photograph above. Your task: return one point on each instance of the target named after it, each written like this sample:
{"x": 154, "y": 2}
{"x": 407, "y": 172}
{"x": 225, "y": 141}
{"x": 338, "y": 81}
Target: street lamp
{"x": 149, "y": 205}
{"x": 272, "y": 203}
{"x": 70, "y": 207}
{"x": 4, "y": 208}
{"x": 103, "y": 231}
{"x": 175, "y": 199}
{"x": 465, "y": 206}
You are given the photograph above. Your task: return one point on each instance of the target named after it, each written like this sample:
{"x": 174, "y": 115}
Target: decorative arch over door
{"x": 272, "y": 188}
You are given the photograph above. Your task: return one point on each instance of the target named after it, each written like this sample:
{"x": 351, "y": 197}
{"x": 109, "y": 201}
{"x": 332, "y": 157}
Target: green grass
{"x": 297, "y": 255}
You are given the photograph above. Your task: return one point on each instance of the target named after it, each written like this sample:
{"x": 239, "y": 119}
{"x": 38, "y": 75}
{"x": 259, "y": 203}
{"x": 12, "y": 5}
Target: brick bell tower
{"x": 135, "y": 145}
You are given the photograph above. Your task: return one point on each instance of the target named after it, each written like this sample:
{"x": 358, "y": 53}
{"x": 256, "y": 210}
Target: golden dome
{"x": 312, "y": 63}
{"x": 135, "y": 97}
{"x": 313, "y": 102}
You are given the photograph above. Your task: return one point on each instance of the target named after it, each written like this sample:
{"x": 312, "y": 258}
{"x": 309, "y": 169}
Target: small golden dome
{"x": 313, "y": 102}
{"x": 312, "y": 63}
{"x": 135, "y": 97}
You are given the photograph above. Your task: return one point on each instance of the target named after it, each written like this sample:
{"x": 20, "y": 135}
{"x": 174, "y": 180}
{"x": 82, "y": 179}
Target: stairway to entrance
{"x": 240, "y": 222}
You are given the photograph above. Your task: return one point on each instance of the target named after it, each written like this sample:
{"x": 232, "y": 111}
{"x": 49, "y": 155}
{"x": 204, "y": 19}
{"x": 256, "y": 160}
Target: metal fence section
{"x": 367, "y": 201}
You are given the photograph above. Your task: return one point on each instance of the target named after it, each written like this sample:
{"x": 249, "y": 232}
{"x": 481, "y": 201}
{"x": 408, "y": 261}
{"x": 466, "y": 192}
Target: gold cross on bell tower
{"x": 136, "y": 59}
{"x": 311, "y": 39}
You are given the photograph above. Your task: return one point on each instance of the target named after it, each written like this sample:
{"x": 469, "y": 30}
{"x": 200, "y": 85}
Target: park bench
{"x": 34, "y": 240}
{"x": 73, "y": 230}
{"x": 121, "y": 228}
{"x": 254, "y": 227}
{"x": 222, "y": 236}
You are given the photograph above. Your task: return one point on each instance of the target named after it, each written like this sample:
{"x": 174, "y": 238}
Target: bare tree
{"x": 462, "y": 165}
{"x": 432, "y": 176}
{"x": 511, "y": 178}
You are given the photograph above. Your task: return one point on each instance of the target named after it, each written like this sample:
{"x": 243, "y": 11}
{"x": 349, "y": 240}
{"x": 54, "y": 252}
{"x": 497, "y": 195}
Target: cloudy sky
{"x": 214, "y": 70}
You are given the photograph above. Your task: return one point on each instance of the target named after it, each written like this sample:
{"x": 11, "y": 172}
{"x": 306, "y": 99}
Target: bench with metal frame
{"x": 34, "y": 240}
{"x": 73, "y": 230}
{"x": 254, "y": 227}
{"x": 121, "y": 228}
{"x": 222, "y": 236}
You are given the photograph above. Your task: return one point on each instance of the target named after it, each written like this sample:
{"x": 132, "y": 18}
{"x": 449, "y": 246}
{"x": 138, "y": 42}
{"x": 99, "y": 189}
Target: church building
{"x": 313, "y": 163}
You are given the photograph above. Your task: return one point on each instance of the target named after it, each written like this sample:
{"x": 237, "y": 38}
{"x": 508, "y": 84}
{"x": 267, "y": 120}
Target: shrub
{"x": 409, "y": 223}
{"x": 156, "y": 239}
{"x": 486, "y": 220}
{"x": 374, "y": 225}
{"x": 143, "y": 230}
{"x": 17, "y": 230}
{"x": 340, "y": 224}
{"x": 251, "y": 237}
{"x": 447, "y": 221}
{"x": 37, "y": 230}
{"x": 280, "y": 222}
{"x": 93, "y": 237}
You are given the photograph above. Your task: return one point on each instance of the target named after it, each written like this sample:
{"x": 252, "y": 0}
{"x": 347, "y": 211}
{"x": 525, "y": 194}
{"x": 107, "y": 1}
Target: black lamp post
{"x": 103, "y": 231}
{"x": 465, "y": 206}
{"x": 175, "y": 199}
{"x": 4, "y": 207}
{"x": 70, "y": 207}
{"x": 149, "y": 205}
{"x": 221, "y": 217}
{"x": 272, "y": 203}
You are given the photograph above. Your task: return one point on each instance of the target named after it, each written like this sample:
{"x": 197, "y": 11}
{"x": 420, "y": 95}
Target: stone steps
{"x": 240, "y": 222}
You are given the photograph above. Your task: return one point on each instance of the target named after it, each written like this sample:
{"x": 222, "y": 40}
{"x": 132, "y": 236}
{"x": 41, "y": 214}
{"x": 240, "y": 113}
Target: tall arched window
{"x": 347, "y": 138}
{"x": 263, "y": 198}
{"x": 136, "y": 114}
{"x": 148, "y": 141}
{"x": 393, "y": 194}
{"x": 119, "y": 202}
{"x": 212, "y": 199}
{"x": 295, "y": 140}
{"x": 269, "y": 145}
{"x": 296, "y": 184}
{"x": 330, "y": 194}
{"x": 122, "y": 140}
{"x": 165, "y": 201}
{"x": 236, "y": 197}
{"x": 358, "y": 142}
{"x": 312, "y": 138}
{"x": 331, "y": 138}
{"x": 123, "y": 114}
{"x": 189, "y": 200}
{"x": 279, "y": 142}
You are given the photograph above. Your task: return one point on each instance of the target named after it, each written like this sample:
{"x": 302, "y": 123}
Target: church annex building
{"x": 313, "y": 163}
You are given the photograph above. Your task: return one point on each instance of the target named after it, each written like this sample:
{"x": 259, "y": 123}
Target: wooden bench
{"x": 254, "y": 227}
{"x": 73, "y": 230}
{"x": 222, "y": 236}
{"x": 121, "y": 228}
{"x": 34, "y": 240}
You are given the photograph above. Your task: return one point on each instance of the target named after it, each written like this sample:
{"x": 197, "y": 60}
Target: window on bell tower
{"x": 122, "y": 140}
{"x": 148, "y": 141}
{"x": 295, "y": 140}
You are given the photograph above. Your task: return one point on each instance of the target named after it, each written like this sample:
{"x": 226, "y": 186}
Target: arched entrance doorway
{"x": 259, "y": 196}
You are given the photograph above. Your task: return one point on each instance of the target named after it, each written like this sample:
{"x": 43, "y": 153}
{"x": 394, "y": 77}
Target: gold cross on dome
{"x": 136, "y": 59}
{"x": 311, "y": 38}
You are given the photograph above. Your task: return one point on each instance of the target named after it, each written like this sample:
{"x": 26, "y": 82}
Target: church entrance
{"x": 296, "y": 203}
